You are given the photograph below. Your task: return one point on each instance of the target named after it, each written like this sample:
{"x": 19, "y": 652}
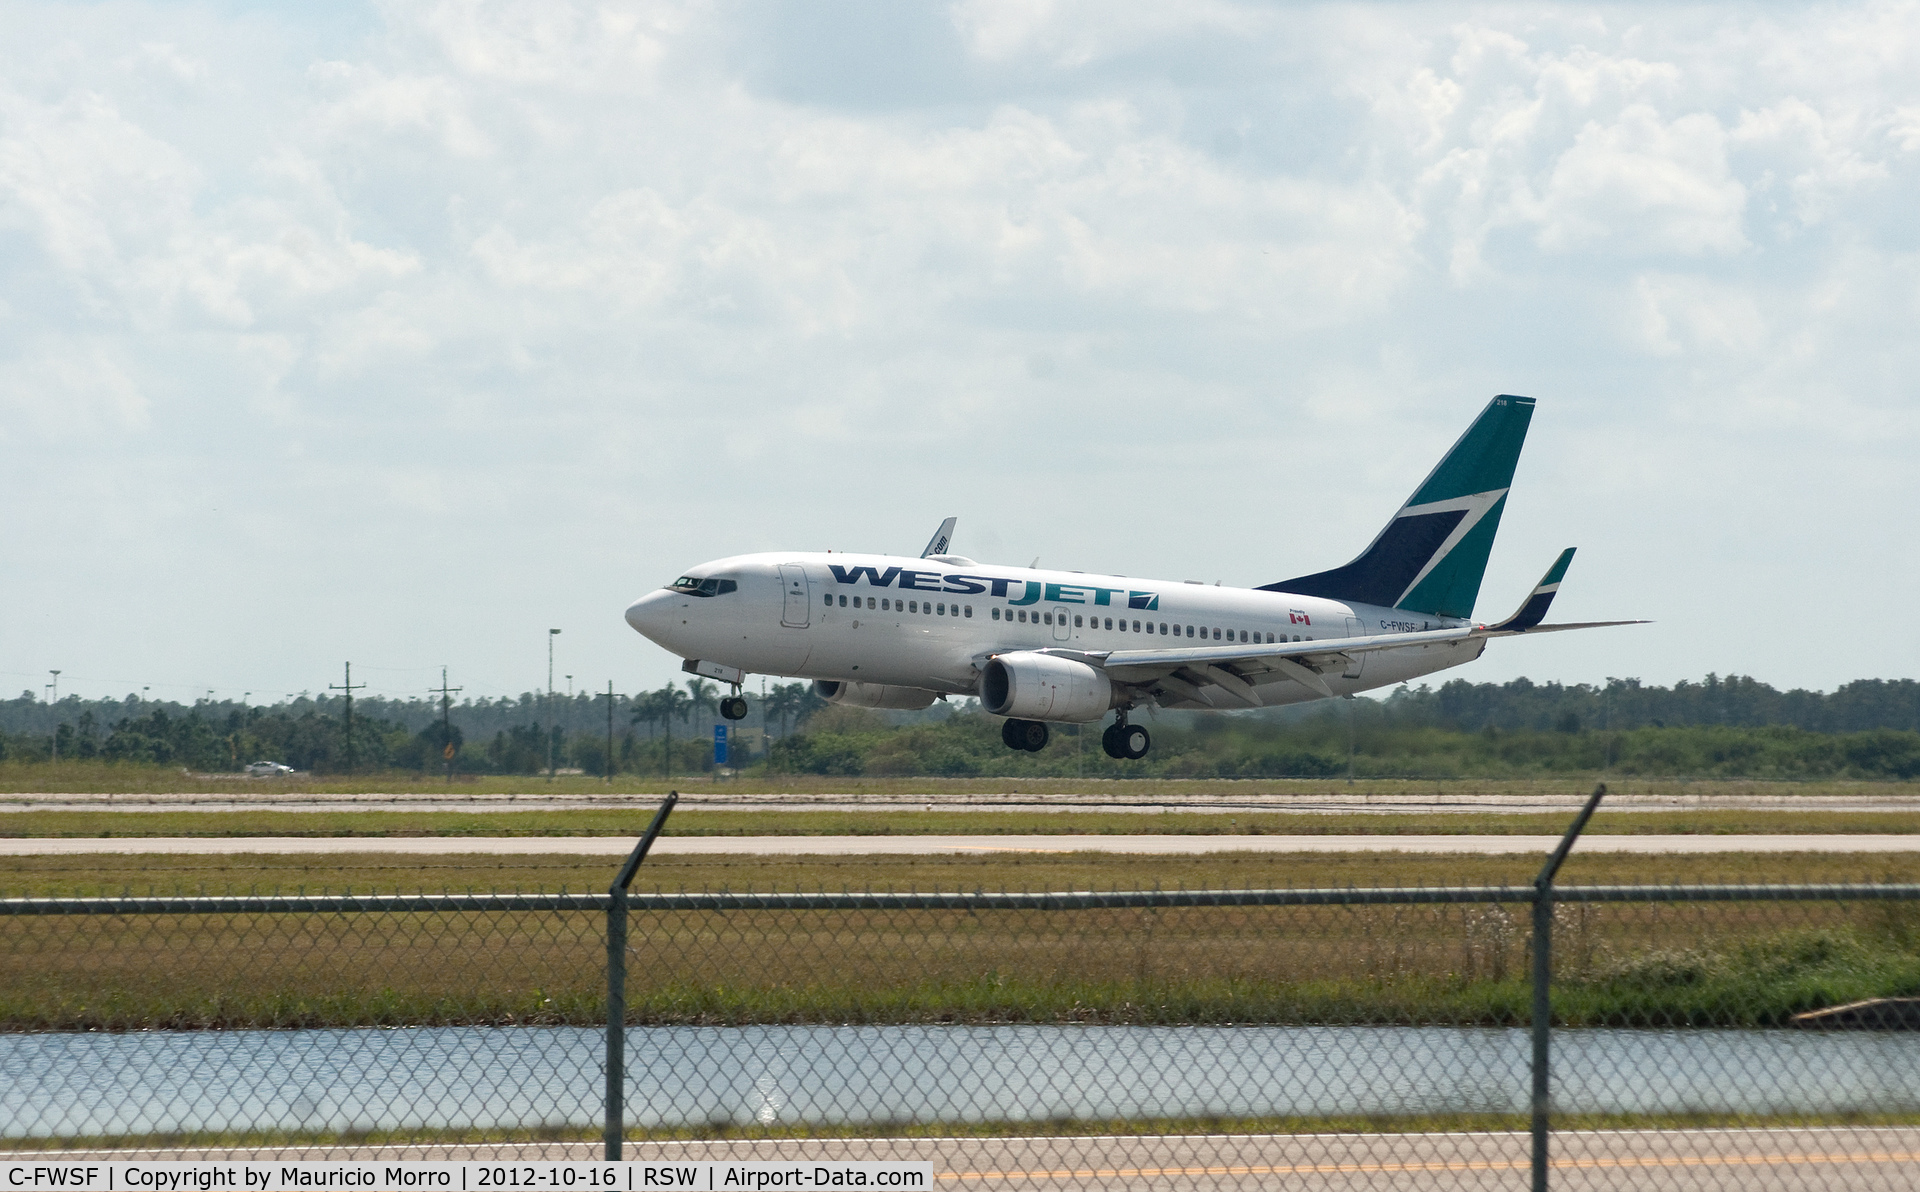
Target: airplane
{"x": 1041, "y": 647}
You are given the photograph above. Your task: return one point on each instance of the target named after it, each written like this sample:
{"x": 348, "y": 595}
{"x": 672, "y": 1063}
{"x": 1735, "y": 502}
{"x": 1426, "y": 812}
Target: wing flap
{"x": 1119, "y": 662}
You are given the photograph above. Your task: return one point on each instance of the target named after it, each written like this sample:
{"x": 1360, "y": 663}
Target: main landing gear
{"x": 1030, "y": 735}
{"x": 1127, "y": 742}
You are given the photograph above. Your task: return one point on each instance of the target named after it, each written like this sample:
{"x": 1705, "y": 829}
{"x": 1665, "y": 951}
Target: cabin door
{"x": 799, "y": 596}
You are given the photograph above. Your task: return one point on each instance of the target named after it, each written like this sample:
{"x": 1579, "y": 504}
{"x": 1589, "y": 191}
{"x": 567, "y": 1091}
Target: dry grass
{"x": 1647, "y": 964}
{"x": 698, "y": 822}
{"x": 101, "y": 777}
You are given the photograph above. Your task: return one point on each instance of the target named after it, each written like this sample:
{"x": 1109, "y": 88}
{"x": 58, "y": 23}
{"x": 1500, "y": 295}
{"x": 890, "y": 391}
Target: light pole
{"x": 551, "y": 634}
{"x": 55, "y": 685}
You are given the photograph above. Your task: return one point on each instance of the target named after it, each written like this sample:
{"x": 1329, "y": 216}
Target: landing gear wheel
{"x": 1134, "y": 742}
{"x": 1030, "y": 735}
{"x": 734, "y": 707}
{"x": 1110, "y": 741}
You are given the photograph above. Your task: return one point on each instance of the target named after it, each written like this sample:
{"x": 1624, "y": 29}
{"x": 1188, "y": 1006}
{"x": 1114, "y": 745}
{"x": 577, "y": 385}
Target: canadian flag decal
{"x": 1296, "y": 617}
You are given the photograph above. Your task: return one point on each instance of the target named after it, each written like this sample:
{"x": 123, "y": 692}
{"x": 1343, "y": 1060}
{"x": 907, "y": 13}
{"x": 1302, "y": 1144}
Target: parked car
{"x": 268, "y": 770}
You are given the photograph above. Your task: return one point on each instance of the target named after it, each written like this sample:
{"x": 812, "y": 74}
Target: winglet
{"x": 1533, "y": 609}
{"x": 942, "y": 539}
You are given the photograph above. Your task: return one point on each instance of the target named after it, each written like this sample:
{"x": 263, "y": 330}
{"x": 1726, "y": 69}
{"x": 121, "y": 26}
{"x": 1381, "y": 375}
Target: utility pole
{"x": 551, "y": 634}
{"x": 446, "y": 721}
{"x": 609, "y": 731}
{"x": 349, "y": 687}
{"x": 53, "y": 700}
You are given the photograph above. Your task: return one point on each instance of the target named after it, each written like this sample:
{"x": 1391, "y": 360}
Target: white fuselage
{"x": 932, "y": 623}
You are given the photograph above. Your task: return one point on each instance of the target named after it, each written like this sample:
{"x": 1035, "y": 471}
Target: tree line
{"x": 312, "y": 734}
{"x": 1720, "y": 726}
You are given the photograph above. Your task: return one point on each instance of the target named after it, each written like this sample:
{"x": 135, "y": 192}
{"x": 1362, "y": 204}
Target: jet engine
{"x": 874, "y": 695}
{"x": 1035, "y": 686}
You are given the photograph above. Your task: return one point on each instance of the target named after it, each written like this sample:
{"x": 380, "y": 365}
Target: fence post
{"x": 1542, "y": 1014}
{"x": 617, "y": 979}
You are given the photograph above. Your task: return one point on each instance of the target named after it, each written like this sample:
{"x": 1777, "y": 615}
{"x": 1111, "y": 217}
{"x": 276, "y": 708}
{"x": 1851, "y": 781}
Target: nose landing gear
{"x": 734, "y": 707}
{"x": 1030, "y": 735}
{"x": 1127, "y": 742}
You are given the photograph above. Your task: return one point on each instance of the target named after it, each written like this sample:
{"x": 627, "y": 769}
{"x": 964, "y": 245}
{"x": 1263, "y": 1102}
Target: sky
{"x": 402, "y": 333}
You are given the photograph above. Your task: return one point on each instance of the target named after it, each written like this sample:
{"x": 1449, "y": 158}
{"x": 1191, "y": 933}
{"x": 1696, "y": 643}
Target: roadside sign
{"x": 719, "y": 744}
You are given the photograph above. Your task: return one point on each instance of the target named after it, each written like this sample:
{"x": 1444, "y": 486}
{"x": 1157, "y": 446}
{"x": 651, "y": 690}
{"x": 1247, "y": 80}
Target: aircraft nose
{"x": 649, "y": 614}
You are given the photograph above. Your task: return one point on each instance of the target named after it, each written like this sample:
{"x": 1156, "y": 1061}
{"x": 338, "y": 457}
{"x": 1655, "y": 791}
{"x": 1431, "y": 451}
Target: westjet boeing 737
{"x": 1040, "y": 647}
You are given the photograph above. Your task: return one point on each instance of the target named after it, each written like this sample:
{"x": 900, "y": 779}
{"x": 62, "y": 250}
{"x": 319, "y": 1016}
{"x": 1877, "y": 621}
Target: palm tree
{"x": 673, "y": 704}
{"x": 702, "y": 695}
{"x": 784, "y": 701}
{"x": 646, "y": 710}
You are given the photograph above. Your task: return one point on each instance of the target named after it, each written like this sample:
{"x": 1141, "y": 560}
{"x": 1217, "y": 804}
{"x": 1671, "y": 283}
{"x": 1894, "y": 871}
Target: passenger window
{"x": 1076, "y": 620}
{"x": 1216, "y": 635}
{"x": 1189, "y": 631}
{"x": 1048, "y": 618}
{"x": 969, "y": 610}
{"x": 996, "y": 612}
{"x": 843, "y": 602}
{"x": 913, "y": 606}
{"x": 942, "y": 610}
{"x": 869, "y": 602}
{"x": 1110, "y": 622}
{"x": 829, "y": 600}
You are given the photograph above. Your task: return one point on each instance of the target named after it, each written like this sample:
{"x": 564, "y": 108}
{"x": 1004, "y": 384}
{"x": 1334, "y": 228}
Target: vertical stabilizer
{"x": 1431, "y": 556}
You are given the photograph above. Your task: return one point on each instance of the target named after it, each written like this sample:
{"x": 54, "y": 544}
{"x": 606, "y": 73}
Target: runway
{"x": 846, "y": 846}
{"x": 1328, "y": 799}
{"x": 1681, "y": 1160}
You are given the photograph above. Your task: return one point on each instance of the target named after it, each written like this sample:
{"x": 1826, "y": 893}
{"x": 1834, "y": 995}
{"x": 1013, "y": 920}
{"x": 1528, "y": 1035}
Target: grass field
{"x": 889, "y": 822}
{"x": 1641, "y": 964}
{"x": 112, "y": 874}
{"x": 104, "y": 778}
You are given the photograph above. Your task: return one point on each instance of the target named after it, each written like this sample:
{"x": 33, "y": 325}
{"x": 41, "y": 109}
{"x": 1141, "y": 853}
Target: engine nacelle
{"x": 874, "y": 695}
{"x": 1034, "y": 686}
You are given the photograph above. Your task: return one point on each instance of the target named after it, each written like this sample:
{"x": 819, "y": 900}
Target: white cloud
{"x": 72, "y": 390}
{"x": 1642, "y": 184}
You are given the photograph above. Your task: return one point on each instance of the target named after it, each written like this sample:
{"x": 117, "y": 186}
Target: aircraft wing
{"x": 1226, "y": 676}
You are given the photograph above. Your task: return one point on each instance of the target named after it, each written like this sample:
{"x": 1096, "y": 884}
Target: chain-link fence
{"x": 1312, "y": 1038}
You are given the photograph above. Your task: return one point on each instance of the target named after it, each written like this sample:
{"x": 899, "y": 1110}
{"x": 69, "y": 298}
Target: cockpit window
{"x": 711, "y": 586}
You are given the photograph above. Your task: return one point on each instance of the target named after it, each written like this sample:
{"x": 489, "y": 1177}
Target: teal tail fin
{"x": 1431, "y": 556}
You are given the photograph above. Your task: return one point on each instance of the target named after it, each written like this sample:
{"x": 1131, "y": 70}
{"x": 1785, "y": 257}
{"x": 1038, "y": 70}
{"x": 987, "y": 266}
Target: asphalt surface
{"x": 843, "y": 846}
{"x": 1680, "y": 1160}
{"x": 1331, "y": 799}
